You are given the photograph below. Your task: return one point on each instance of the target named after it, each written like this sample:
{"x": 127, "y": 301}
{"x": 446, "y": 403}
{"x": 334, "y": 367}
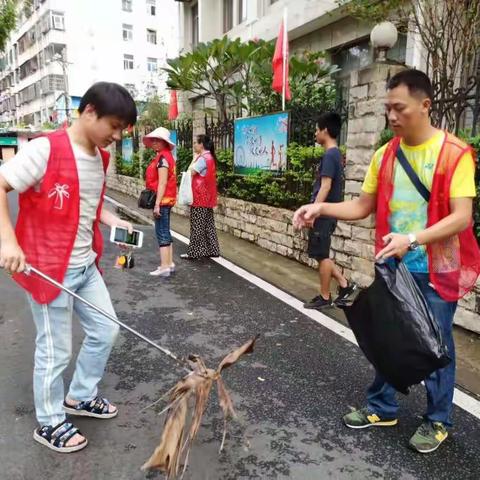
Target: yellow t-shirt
{"x": 408, "y": 208}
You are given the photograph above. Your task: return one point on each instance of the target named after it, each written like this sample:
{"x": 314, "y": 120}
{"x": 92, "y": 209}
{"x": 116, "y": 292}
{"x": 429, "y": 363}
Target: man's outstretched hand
{"x": 306, "y": 215}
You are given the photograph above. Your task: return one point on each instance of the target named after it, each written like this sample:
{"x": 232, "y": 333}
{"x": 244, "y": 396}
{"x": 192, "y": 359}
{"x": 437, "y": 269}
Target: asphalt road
{"x": 290, "y": 394}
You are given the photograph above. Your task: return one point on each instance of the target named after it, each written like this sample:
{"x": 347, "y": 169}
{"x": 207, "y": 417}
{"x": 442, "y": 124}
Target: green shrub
{"x": 184, "y": 159}
{"x": 129, "y": 169}
{"x": 288, "y": 190}
{"x": 265, "y": 187}
{"x": 385, "y": 136}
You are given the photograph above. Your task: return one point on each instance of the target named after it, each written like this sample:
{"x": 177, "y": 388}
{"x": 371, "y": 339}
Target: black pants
{"x": 203, "y": 234}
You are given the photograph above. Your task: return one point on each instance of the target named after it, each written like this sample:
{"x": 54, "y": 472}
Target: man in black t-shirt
{"x": 328, "y": 187}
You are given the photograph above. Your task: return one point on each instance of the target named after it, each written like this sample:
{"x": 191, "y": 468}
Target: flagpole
{"x": 285, "y": 59}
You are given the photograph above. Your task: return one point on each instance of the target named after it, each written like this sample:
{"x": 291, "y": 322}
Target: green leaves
{"x": 371, "y": 12}
{"x": 155, "y": 114}
{"x": 184, "y": 159}
{"x": 9, "y": 12}
{"x": 238, "y": 75}
{"x": 8, "y": 20}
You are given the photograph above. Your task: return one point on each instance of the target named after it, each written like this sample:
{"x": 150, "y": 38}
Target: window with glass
{"x": 58, "y": 21}
{"x": 152, "y": 36}
{"x": 242, "y": 10}
{"x": 195, "y": 26}
{"x": 227, "y": 15}
{"x": 131, "y": 89}
{"x": 127, "y": 62}
{"x": 152, "y": 64}
{"x": 360, "y": 55}
{"x": 127, "y": 32}
{"x": 152, "y": 7}
{"x": 127, "y": 5}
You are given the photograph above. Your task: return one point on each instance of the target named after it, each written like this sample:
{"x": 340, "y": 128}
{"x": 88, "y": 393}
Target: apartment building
{"x": 317, "y": 25}
{"x": 61, "y": 47}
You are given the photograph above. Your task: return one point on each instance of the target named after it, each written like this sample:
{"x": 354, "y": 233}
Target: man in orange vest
{"x": 426, "y": 218}
{"x": 61, "y": 182}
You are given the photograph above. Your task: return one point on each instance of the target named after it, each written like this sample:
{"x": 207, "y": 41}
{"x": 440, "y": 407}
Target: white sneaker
{"x": 172, "y": 268}
{"x": 161, "y": 272}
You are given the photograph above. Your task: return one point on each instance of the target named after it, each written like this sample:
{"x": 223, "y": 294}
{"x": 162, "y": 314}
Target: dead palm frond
{"x": 183, "y": 422}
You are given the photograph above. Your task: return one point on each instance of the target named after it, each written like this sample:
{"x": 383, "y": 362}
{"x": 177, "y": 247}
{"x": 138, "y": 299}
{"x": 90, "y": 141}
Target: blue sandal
{"x": 96, "y": 408}
{"x": 55, "y": 438}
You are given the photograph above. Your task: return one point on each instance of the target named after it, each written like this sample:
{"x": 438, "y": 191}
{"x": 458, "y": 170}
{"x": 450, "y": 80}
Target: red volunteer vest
{"x": 48, "y": 219}
{"x": 454, "y": 263}
{"x": 151, "y": 177}
{"x": 205, "y": 188}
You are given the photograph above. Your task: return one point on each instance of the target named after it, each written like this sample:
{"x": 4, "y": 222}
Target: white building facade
{"x": 65, "y": 46}
{"x": 315, "y": 25}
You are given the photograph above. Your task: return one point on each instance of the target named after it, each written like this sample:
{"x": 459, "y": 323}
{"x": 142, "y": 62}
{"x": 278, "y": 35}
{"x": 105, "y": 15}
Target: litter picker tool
{"x": 187, "y": 400}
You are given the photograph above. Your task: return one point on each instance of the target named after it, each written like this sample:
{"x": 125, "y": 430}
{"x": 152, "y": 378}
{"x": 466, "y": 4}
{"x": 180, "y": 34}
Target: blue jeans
{"x": 54, "y": 343}
{"x": 440, "y": 384}
{"x": 162, "y": 227}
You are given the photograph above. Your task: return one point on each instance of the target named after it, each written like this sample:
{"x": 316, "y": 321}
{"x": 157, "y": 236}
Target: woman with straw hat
{"x": 160, "y": 177}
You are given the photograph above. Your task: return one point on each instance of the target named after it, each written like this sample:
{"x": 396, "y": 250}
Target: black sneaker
{"x": 344, "y": 294}
{"x": 318, "y": 302}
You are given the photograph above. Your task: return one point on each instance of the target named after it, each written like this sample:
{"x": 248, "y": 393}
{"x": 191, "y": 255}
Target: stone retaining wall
{"x": 271, "y": 228}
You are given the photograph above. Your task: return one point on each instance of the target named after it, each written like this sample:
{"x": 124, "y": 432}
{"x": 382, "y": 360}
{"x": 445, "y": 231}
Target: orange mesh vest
{"x": 48, "y": 219}
{"x": 454, "y": 263}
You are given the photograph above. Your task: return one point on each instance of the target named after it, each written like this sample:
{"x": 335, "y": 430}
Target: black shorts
{"x": 320, "y": 238}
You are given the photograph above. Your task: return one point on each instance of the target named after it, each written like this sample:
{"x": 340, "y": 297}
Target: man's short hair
{"x": 416, "y": 81}
{"x": 109, "y": 98}
{"x": 332, "y": 122}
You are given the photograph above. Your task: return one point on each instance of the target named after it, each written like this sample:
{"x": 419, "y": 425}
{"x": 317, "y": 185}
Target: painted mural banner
{"x": 127, "y": 150}
{"x": 261, "y": 144}
{"x": 173, "y": 138}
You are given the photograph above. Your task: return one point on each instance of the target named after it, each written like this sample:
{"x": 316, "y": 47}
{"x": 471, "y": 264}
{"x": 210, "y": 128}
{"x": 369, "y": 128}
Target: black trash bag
{"x": 395, "y": 328}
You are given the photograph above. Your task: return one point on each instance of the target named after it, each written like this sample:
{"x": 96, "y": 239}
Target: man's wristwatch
{"x": 412, "y": 238}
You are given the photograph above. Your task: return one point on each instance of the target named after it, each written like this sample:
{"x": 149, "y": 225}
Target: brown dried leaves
{"x": 182, "y": 424}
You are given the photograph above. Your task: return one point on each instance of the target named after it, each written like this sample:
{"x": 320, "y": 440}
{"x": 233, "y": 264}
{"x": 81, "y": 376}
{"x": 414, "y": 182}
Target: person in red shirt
{"x": 161, "y": 178}
{"x": 61, "y": 181}
{"x": 423, "y": 214}
{"x": 203, "y": 234}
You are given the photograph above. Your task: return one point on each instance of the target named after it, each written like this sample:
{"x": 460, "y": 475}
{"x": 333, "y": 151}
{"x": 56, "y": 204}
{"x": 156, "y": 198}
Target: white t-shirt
{"x": 28, "y": 168}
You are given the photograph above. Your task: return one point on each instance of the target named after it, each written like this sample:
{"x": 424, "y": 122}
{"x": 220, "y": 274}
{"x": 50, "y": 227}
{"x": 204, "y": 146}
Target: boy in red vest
{"x": 61, "y": 182}
{"x": 434, "y": 237}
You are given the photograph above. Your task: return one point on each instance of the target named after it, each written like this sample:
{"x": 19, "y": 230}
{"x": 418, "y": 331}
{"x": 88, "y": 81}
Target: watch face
{"x": 413, "y": 246}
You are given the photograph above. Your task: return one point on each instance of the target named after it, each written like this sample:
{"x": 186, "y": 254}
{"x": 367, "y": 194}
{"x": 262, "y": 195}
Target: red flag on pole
{"x": 173, "y": 108}
{"x": 280, "y": 64}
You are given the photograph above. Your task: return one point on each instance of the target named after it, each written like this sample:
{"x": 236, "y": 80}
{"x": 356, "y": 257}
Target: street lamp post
{"x": 60, "y": 58}
{"x": 383, "y": 37}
